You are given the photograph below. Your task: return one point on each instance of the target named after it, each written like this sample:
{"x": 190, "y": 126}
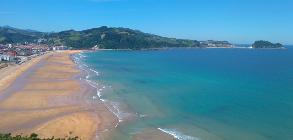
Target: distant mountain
{"x": 266, "y": 44}
{"x": 14, "y": 35}
{"x": 115, "y": 38}
{"x": 103, "y": 37}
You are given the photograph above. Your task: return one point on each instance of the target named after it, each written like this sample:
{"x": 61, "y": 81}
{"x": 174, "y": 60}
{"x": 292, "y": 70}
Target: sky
{"x": 237, "y": 21}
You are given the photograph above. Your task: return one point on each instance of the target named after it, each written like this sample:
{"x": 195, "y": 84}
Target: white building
{"x": 4, "y": 57}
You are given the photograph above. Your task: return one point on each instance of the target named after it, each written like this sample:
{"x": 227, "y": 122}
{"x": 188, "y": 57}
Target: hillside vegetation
{"x": 103, "y": 37}
{"x": 14, "y": 35}
{"x": 266, "y": 44}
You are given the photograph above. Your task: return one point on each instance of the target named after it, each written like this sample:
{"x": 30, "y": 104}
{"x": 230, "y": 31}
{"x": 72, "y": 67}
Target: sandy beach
{"x": 10, "y": 73}
{"x": 45, "y": 96}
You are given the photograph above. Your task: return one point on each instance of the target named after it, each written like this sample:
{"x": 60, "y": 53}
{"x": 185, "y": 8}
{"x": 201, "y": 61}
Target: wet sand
{"x": 152, "y": 134}
{"x": 46, "y": 97}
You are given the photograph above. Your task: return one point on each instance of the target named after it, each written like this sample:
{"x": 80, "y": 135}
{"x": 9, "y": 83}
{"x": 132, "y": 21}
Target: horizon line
{"x": 232, "y": 42}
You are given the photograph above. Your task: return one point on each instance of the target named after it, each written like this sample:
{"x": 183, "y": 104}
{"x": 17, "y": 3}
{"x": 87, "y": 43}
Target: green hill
{"x": 13, "y": 35}
{"x": 103, "y": 37}
{"x": 266, "y": 44}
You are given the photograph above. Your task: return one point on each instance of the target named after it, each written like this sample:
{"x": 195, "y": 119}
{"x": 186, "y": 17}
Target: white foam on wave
{"x": 88, "y": 71}
{"x": 85, "y": 65}
{"x": 178, "y": 135}
{"x": 98, "y": 89}
{"x": 81, "y": 55}
{"x": 93, "y": 84}
{"x": 112, "y": 110}
{"x": 96, "y": 72}
{"x": 143, "y": 115}
{"x": 114, "y": 107}
{"x": 94, "y": 97}
{"x": 99, "y": 94}
{"x": 111, "y": 106}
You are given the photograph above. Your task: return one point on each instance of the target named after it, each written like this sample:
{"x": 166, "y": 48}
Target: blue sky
{"x": 238, "y": 21}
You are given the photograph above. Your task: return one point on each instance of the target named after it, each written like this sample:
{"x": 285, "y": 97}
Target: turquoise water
{"x": 206, "y": 94}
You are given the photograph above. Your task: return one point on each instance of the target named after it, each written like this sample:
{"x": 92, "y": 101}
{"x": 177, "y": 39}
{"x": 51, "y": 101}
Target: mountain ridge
{"x": 102, "y": 37}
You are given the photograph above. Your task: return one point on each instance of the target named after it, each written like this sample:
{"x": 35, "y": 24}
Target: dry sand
{"x": 43, "y": 97}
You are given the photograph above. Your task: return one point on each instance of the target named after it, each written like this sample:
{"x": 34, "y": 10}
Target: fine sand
{"x": 9, "y": 74}
{"x": 45, "y": 96}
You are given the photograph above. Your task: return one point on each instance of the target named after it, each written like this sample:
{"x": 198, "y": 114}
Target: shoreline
{"x": 95, "y": 98}
{"x": 150, "y": 133}
{"x": 53, "y": 101}
{"x": 171, "y": 48}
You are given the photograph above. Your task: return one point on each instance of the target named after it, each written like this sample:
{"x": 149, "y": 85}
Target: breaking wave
{"x": 178, "y": 135}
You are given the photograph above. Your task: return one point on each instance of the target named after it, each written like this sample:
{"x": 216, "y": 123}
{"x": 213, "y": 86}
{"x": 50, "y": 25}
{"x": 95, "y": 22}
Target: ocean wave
{"x": 178, "y": 135}
{"x": 115, "y": 107}
{"x": 96, "y": 72}
{"x": 89, "y": 73}
{"x": 143, "y": 115}
{"x": 81, "y": 55}
{"x": 98, "y": 88}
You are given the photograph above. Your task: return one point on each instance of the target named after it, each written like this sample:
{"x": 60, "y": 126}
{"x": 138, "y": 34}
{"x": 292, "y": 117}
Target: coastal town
{"x": 17, "y": 54}
{"x": 215, "y": 44}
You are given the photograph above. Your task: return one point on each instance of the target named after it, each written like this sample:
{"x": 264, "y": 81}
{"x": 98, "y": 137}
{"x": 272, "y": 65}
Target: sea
{"x": 196, "y": 94}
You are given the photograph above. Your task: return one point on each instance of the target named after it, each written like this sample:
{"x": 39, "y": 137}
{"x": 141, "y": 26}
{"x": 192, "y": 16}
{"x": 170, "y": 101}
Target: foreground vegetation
{"x": 33, "y": 136}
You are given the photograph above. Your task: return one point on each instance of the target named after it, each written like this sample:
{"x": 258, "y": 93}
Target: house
{"x": 55, "y": 48}
{"x": 3, "y": 47}
{"x": 11, "y": 53}
{"x": 215, "y": 44}
{"x": 5, "y": 57}
{"x": 8, "y": 56}
{"x": 24, "y": 52}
